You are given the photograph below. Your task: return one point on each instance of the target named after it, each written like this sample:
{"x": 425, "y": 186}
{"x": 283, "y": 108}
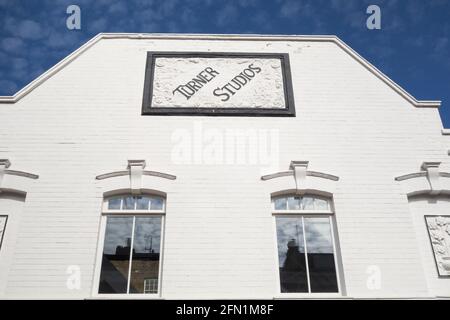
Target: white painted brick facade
{"x": 85, "y": 120}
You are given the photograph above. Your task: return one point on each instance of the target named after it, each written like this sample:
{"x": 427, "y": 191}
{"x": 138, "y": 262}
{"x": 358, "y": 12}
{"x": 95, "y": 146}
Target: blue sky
{"x": 412, "y": 47}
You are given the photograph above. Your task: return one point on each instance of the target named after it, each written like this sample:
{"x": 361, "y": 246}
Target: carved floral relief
{"x": 439, "y": 231}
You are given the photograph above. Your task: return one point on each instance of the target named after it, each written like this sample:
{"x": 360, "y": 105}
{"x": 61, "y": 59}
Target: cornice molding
{"x": 135, "y": 171}
{"x": 4, "y": 165}
{"x": 298, "y": 170}
{"x": 432, "y": 184}
{"x": 126, "y": 172}
{"x": 308, "y": 173}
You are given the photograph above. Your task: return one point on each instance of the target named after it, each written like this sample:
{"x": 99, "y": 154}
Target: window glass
{"x": 294, "y": 203}
{"x": 150, "y": 285}
{"x": 136, "y": 203}
{"x": 319, "y": 245}
{"x": 308, "y": 203}
{"x": 156, "y": 203}
{"x": 125, "y": 270}
{"x": 116, "y": 255}
{"x": 291, "y": 254}
{"x": 146, "y": 255}
{"x": 305, "y": 243}
{"x": 280, "y": 203}
{"x": 114, "y": 203}
{"x": 128, "y": 203}
{"x": 321, "y": 204}
{"x": 142, "y": 203}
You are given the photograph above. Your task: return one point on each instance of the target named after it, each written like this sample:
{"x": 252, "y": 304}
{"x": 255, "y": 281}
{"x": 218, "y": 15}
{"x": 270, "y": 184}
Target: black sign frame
{"x": 147, "y": 109}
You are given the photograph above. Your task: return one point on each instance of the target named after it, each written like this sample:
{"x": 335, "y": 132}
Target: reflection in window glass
{"x": 150, "y": 285}
{"x": 280, "y": 204}
{"x": 308, "y": 203}
{"x": 295, "y": 276}
{"x": 291, "y": 255}
{"x": 136, "y": 203}
{"x": 142, "y": 203}
{"x": 319, "y": 244}
{"x": 116, "y": 255}
{"x": 146, "y": 247}
{"x": 128, "y": 203}
{"x": 145, "y": 256}
{"x": 156, "y": 203}
{"x": 321, "y": 204}
{"x": 294, "y": 203}
{"x": 114, "y": 203}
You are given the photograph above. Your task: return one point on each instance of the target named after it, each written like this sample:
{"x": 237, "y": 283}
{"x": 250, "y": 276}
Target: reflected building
{"x": 115, "y": 268}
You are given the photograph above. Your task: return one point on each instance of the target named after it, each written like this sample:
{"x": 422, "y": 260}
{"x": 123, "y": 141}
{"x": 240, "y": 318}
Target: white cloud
{"x": 26, "y": 29}
{"x": 13, "y": 45}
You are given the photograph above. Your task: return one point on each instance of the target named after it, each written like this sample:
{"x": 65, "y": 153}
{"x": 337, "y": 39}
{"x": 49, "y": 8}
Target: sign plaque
{"x": 218, "y": 84}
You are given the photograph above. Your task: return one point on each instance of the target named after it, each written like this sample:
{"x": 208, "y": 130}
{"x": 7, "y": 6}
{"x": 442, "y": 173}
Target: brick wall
{"x": 219, "y": 236}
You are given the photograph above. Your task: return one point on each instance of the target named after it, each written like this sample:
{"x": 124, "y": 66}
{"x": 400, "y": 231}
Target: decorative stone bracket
{"x": 4, "y": 171}
{"x": 135, "y": 170}
{"x": 434, "y": 184}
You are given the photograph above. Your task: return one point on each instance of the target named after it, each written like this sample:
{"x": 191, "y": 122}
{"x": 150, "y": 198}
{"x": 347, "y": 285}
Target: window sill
{"x": 297, "y": 296}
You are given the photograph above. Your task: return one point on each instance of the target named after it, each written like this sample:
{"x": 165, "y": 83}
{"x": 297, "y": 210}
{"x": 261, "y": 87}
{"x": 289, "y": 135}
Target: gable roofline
{"x": 292, "y": 38}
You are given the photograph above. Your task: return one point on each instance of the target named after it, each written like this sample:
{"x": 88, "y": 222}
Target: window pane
{"x": 150, "y": 285}
{"x": 128, "y": 203}
{"x": 156, "y": 203}
{"x": 308, "y": 203}
{"x": 116, "y": 255}
{"x": 280, "y": 204}
{"x": 114, "y": 203}
{"x": 142, "y": 203}
{"x": 146, "y": 246}
{"x": 319, "y": 244}
{"x": 321, "y": 204}
{"x": 291, "y": 255}
{"x": 294, "y": 203}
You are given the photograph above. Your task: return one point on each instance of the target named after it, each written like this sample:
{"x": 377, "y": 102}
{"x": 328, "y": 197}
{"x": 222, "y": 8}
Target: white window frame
{"x": 101, "y": 240}
{"x": 3, "y": 231}
{"x": 149, "y": 282}
{"x": 306, "y": 214}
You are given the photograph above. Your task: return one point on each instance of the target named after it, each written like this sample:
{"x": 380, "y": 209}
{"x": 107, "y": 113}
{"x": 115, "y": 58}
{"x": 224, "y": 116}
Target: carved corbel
{"x": 136, "y": 169}
{"x": 300, "y": 170}
{"x": 432, "y": 170}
